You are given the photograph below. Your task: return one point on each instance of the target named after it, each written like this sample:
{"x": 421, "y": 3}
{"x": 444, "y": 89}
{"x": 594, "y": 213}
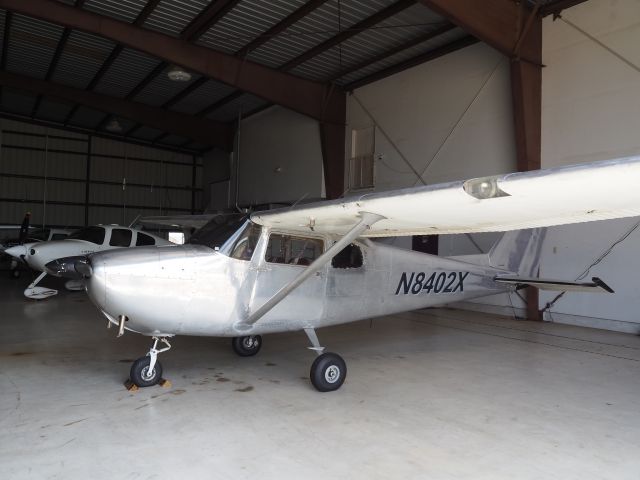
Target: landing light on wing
{"x": 483, "y": 188}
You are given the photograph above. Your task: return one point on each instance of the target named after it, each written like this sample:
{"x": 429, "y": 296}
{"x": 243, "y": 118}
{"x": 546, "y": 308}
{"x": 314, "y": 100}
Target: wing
{"x": 540, "y": 198}
{"x": 179, "y": 221}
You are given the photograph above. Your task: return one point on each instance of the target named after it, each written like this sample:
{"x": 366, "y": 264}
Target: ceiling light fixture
{"x": 114, "y": 126}
{"x": 178, "y": 74}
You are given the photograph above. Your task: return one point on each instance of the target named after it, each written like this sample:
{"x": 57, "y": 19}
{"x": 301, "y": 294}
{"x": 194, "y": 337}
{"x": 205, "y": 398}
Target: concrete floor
{"x": 435, "y": 394}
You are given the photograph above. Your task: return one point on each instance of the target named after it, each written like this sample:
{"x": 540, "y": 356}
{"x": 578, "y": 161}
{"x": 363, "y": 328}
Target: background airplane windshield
{"x": 90, "y": 234}
{"x": 216, "y": 232}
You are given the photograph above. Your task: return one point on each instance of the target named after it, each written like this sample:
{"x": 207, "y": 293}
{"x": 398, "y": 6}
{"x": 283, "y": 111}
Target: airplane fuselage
{"x": 194, "y": 290}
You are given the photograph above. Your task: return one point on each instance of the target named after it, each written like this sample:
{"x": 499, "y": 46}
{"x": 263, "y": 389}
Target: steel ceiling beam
{"x": 412, "y": 62}
{"x": 496, "y": 22}
{"x": 350, "y": 32}
{"x": 52, "y": 67}
{"x": 201, "y": 130}
{"x": 139, "y": 21}
{"x": 310, "y": 98}
{"x": 318, "y": 49}
{"x": 220, "y": 103}
{"x": 280, "y": 27}
{"x": 62, "y": 43}
{"x": 88, "y": 131}
{"x": 208, "y": 17}
{"x": 392, "y": 51}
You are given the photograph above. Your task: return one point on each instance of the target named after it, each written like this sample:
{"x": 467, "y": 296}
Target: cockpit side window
{"x": 120, "y": 237}
{"x": 246, "y": 243}
{"x": 293, "y": 250}
{"x": 89, "y": 234}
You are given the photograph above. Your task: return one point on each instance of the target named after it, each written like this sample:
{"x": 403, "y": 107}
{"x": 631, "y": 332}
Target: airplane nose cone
{"x": 16, "y": 251}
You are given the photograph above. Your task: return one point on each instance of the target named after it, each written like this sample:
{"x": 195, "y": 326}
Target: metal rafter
{"x": 139, "y": 21}
{"x": 193, "y": 31}
{"x": 208, "y": 17}
{"x": 223, "y": 101}
{"x": 280, "y": 27}
{"x": 392, "y": 51}
{"x": 314, "y": 99}
{"x": 88, "y": 131}
{"x": 62, "y": 43}
{"x": 412, "y": 62}
{"x": 495, "y": 22}
{"x": 52, "y": 67}
{"x": 201, "y": 130}
{"x": 345, "y": 35}
{"x": 335, "y": 40}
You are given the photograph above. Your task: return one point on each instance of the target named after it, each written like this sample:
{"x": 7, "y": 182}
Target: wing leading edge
{"x": 540, "y": 198}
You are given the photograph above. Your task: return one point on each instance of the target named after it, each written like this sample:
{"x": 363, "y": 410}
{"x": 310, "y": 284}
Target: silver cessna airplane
{"x": 310, "y": 266}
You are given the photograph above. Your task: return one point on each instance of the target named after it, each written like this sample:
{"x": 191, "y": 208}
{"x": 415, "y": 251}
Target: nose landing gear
{"x": 147, "y": 371}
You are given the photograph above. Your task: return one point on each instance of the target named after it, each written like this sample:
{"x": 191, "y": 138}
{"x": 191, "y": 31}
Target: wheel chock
{"x": 129, "y": 385}
{"x": 132, "y": 387}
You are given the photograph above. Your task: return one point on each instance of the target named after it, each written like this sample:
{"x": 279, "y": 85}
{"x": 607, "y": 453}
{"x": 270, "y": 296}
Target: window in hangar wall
{"x": 361, "y": 165}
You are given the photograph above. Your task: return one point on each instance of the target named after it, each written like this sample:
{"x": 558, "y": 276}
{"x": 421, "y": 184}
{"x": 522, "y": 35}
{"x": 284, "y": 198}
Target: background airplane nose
{"x": 16, "y": 251}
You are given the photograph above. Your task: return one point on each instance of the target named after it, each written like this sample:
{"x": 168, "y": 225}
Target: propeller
{"x": 24, "y": 228}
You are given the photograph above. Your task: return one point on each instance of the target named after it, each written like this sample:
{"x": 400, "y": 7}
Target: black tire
{"x": 139, "y": 374}
{"x": 328, "y": 372}
{"x": 247, "y": 346}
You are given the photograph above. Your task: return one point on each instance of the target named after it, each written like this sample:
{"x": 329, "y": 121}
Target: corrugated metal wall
{"x": 70, "y": 179}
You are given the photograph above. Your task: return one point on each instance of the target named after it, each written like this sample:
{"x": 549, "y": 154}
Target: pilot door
{"x": 284, "y": 258}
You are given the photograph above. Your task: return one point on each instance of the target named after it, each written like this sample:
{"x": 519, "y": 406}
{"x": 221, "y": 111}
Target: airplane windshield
{"x": 89, "y": 234}
{"x": 39, "y": 234}
{"x": 217, "y": 231}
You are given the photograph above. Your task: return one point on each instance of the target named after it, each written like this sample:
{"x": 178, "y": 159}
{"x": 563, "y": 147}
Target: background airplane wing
{"x": 540, "y": 198}
{"x": 178, "y": 221}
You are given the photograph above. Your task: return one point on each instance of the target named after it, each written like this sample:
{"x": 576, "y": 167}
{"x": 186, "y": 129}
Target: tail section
{"x": 518, "y": 251}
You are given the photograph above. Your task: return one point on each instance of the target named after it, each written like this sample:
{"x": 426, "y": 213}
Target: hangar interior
{"x": 111, "y": 110}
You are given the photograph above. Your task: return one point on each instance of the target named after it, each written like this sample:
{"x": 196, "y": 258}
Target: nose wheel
{"x": 147, "y": 371}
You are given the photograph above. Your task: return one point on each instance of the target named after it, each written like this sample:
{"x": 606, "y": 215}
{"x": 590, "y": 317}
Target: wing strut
{"x": 367, "y": 219}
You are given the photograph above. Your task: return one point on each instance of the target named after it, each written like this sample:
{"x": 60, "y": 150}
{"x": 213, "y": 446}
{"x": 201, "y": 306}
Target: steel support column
{"x": 526, "y": 88}
{"x": 332, "y": 140}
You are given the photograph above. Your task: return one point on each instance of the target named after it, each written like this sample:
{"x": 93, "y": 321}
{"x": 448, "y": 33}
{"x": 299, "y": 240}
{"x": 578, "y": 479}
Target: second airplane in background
{"x": 79, "y": 244}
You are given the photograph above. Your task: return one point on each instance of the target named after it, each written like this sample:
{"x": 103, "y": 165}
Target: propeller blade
{"x": 24, "y": 228}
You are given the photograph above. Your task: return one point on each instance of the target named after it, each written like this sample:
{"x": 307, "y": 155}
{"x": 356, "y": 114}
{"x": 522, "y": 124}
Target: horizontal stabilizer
{"x": 596, "y": 285}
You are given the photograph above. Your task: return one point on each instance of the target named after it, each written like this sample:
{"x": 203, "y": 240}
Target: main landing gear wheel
{"x": 141, "y": 374}
{"x": 247, "y": 346}
{"x": 328, "y": 372}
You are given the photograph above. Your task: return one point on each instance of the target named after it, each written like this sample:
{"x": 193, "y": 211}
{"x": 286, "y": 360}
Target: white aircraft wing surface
{"x": 540, "y": 198}
{"x": 179, "y": 221}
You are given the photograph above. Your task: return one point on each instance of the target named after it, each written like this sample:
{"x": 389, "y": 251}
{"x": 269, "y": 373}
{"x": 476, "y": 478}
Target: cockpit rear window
{"x": 89, "y": 234}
